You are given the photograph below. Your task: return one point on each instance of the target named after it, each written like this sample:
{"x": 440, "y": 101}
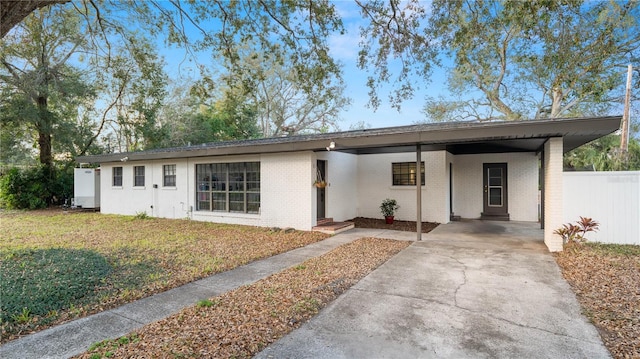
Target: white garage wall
{"x": 610, "y": 198}
{"x": 522, "y": 182}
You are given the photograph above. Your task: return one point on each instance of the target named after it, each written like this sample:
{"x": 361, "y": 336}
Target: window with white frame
{"x": 117, "y": 177}
{"x": 138, "y": 176}
{"x": 404, "y": 173}
{"x": 228, "y": 187}
{"x": 169, "y": 175}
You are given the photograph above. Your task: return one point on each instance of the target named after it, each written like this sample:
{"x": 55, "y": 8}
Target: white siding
{"x": 610, "y": 198}
{"x": 522, "y": 184}
{"x": 375, "y": 184}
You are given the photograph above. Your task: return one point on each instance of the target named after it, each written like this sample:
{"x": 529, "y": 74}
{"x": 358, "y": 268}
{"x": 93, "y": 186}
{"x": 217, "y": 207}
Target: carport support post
{"x": 553, "y": 201}
{"x": 419, "y": 191}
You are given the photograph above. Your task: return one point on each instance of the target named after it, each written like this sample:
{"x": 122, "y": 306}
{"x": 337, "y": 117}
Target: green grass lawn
{"x": 56, "y": 266}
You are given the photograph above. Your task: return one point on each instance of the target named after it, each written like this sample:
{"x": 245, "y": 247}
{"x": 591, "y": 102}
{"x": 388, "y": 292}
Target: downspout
{"x": 418, "y": 192}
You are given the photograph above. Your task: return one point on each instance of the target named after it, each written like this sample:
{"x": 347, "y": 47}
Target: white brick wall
{"x": 358, "y": 184}
{"x": 342, "y": 193}
{"x": 522, "y": 184}
{"x": 127, "y": 200}
{"x": 288, "y": 197}
{"x": 553, "y": 201}
{"x": 375, "y": 184}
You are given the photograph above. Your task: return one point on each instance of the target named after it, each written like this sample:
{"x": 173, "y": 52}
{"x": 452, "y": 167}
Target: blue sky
{"x": 344, "y": 48}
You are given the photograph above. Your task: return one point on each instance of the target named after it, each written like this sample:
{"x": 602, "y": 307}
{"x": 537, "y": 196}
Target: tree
{"x": 192, "y": 117}
{"x": 522, "y": 59}
{"x": 38, "y": 80}
{"x": 293, "y": 32}
{"x": 534, "y": 59}
{"x": 67, "y": 82}
{"x": 273, "y": 90}
{"x": 604, "y": 154}
{"x": 136, "y": 82}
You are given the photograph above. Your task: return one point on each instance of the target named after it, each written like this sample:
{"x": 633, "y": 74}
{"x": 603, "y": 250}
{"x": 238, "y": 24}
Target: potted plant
{"x": 320, "y": 184}
{"x": 388, "y": 209}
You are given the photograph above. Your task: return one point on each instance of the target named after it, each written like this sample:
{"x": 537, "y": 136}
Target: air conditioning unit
{"x": 86, "y": 187}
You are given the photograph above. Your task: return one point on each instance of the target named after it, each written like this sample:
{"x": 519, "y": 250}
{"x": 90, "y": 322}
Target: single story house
{"x": 436, "y": 172}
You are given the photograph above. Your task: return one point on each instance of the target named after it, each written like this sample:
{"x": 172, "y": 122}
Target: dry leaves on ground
{"x": 606, "y": 280}
{"x": 147, "y": 256}
{"x": 242, "y": 322}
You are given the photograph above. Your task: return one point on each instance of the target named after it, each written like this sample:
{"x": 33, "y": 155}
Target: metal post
{"x": 419, "y": 192}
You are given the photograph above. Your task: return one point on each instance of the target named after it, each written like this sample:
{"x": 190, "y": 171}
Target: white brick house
{"x": 472, "y": 170}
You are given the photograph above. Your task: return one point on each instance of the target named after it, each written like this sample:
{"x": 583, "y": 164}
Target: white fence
{"x": 610, "y": 198}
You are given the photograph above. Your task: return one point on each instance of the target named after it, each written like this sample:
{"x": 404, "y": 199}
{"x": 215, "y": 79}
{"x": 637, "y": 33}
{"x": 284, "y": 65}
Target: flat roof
{"x": 455, "y": 137}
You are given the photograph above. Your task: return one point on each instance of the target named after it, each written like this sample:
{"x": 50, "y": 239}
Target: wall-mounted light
{"x": 331, "y": 146}
{"x": 124, "y": 159}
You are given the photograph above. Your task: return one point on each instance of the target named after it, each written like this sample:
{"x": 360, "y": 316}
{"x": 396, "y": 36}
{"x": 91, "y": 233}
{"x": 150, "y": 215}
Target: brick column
{"x": 553, "y": 211}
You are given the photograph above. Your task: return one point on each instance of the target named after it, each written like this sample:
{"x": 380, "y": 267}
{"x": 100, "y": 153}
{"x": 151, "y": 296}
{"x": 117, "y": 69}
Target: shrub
{"x": 35, "y": 187}
{"x": 575, "y": 233}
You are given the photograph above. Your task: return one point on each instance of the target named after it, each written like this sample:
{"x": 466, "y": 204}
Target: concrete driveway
{"x": 469, "y": 290}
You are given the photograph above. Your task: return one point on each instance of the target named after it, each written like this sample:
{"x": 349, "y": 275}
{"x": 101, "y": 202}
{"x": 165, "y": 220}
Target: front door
{"x": 495, "y": 191}
{"x": 321, "y": 192}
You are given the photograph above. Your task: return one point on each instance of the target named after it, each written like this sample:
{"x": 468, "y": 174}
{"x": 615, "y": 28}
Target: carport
{"x": 547, "y": 138}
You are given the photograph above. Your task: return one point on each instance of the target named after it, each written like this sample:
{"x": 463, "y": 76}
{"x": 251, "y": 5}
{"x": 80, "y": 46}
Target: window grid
{"x": 138, "y": 176}
{"x": 117, "y": 177}
{"x": 228, "y": 187}
{"x": 404, "y": 173}
{"x": 169, "y": 175}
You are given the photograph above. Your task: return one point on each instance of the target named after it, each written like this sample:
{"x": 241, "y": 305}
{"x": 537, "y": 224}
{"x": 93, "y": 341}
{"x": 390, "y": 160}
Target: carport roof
{"x": 455, "y": 137}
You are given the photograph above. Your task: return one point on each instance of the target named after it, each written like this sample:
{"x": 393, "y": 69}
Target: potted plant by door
{"x": 388, "y": 209}
{"x": 320, "y": 182}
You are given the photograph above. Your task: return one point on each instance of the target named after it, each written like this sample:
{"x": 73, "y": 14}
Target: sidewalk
{"x": 75, "y": 337}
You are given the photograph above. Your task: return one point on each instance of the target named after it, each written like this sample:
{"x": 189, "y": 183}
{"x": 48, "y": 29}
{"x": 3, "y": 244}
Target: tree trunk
{"x": 12, "y": 12}
{"x": 556, "y": 101}
{"x": 44, "y": 132}
{"x": 44, "y": 142}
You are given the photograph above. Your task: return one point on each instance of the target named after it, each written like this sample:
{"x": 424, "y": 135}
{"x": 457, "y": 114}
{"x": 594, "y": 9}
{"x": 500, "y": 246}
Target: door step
{"x": 331, "y": 227}
{"x": 323, "y": 221}
{"x": 494, "y": 217}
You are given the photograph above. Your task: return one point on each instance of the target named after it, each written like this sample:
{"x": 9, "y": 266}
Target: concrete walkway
{"x": 468, "y": 290}
{"x": 75, "y": 337}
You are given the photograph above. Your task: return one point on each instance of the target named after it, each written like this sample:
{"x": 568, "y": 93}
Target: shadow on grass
{"x": 41, "y": 282}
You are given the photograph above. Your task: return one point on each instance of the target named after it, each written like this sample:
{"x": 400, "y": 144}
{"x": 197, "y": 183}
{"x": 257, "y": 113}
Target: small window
{"x": 117, "y": 176}
{"x": 404, "y": 173}
{"x": 138, "y": 176}
{"x": 169, "y": 175}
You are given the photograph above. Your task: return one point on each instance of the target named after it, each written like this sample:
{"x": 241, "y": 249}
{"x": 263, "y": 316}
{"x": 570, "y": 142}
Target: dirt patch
{"x": 606, "y": 280}
{"x": 240, "y": 323}
{"x": 408, "y": 226}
